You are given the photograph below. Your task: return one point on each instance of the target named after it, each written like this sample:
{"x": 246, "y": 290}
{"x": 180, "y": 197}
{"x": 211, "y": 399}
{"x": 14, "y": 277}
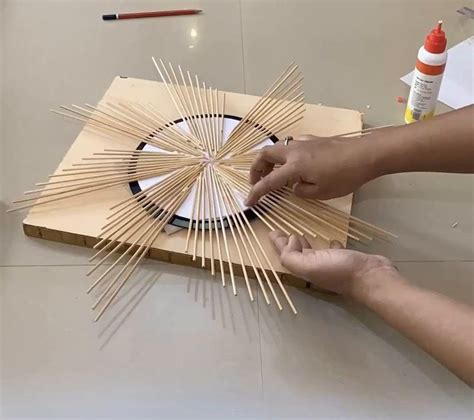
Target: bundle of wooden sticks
{"x": 194, "y": 160}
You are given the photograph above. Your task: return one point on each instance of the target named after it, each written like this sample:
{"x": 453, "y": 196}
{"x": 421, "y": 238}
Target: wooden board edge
{"x": 154, "y": 253}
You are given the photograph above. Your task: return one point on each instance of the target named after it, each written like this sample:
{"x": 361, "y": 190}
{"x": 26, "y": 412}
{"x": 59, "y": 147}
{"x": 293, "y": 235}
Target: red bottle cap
{"x": 435, "y": 41}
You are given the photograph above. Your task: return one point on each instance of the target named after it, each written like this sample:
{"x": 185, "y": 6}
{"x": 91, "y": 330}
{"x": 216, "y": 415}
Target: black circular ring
{"x": 180, "y": 221}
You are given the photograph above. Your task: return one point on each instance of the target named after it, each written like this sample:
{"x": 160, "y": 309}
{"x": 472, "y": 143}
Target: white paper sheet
{"x": 458, "y": 80}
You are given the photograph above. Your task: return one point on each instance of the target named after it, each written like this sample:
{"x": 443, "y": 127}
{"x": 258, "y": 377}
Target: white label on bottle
{"x": 424, "y": 93}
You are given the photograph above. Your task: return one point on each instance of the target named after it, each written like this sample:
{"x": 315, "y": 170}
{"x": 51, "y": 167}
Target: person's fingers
{"x": 275, "y": 153}
{"x": 336, "y": 245}
{"x": 265, "y": 160}
{"x": 266, "y": 171}
{"x": 259, "y": 170}
{"x": 292, "y": 256}
{"x": 279, "y": 239}
{"x": 274, "y": 180}
{"x": 294, "y": 244}
{"x": 305, "y": 190}
{"x": 304, "y": 243}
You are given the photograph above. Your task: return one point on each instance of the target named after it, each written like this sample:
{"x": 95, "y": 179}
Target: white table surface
{"x": 177, "y": 344}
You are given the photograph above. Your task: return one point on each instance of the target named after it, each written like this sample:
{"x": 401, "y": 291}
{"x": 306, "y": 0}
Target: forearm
{"x": 442, "y": 144}
{"x": 441, "y": 326}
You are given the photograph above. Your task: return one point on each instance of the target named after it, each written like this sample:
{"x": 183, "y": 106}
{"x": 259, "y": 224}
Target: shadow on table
{"x": 225, "y": 308}
{"x": 135, "y": 293}
{"x": 236, "y": 313}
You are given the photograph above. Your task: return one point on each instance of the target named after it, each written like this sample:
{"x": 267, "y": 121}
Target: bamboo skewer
{"x": 277, "y": 278}
{"x": 170, "y": 125}
{"x": 300, "y": 208}
{"x": 154, "y": 235}
{"x": 221, "y": 123}
{"x": 264, "y": 216}
{"x": 286, "y": 74}
{"x": 204, "y": 117}
{"x": 203, "y": 222}
{"x": 243, "y": 127}
{"x": 224, "y": 198}
{"x": 334, "y": 212}
{"x": 205, "y": 114}
{"x": 365, "y": 130}
{"x": 119, "y": 244}
{"x": 166, "y": 194}
{"x": 196, "y": 111}
{"x": 209, "y": 119}
{"x": 130, "y": 223}
{"x": 219, "y": 212}
{"x": 117, "y": 117}
{"x": 208, "y": 212}
{"x": 149, "y": 138}
{"x": 41, "y": 200}
{"x": 138, "y": 171}
{"x": 193, "y": 218}
{"x": 107, "y": 120}
{"x": 257, "y": 136}
{"x": 215, "y": 119}
{"x": 174, "y": 96}
{"x": 112, "y": 169}
{"x": 170, "y": 132}
{"x": 176, "y": 88}
{"x": 146, "y": 234}
{"x": 198, "y": 217}
{"x": 220, "y": 200}
{"x": 271, "y": 113}
{"x": 121, "y": 205}
{"x": 290, "y": 221}
{"x": 122, "y": 121}
{"x": 185, "y": 103}
{"x": 193, "y": 113}
{"x": 147, "y": 203}
{"x": 106, "y": 181}
{"x": 262, "y": 250}
{"x": 216, "y": 229}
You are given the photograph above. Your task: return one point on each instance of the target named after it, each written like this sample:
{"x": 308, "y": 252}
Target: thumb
{"x": 292, "y": 256}
{"x": 294, "y": 244}
{"x": 279, "y": 239}
{"x": 305, "y": 190}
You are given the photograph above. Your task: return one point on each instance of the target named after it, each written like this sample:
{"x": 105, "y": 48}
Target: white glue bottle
{"x": 427, "y": 76}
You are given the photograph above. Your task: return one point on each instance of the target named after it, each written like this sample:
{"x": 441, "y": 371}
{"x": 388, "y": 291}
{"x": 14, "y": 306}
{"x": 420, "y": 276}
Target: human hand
{"x": 317, "y": 167}
{"x": 337, "y": 270}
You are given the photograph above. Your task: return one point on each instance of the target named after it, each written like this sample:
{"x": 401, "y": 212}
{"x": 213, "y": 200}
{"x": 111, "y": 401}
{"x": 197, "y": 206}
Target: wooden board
{"x": 78, "y": 220}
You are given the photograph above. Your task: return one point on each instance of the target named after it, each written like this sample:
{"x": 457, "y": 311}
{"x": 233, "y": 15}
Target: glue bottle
{"x": 427, "y": 76}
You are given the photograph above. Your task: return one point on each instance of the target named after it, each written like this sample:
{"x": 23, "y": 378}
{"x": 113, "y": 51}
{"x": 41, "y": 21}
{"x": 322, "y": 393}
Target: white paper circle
{"x": 187, "y": 207}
